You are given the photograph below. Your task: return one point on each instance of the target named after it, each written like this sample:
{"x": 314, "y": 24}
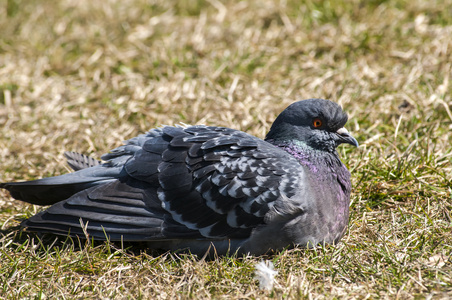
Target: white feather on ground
{"x": 265, "y": 273}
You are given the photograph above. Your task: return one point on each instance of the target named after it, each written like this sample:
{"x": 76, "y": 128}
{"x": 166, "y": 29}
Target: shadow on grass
{"x": 17, "y": 238}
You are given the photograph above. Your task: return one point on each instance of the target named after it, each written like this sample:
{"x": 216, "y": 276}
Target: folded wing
{"x": 194, "y": 182}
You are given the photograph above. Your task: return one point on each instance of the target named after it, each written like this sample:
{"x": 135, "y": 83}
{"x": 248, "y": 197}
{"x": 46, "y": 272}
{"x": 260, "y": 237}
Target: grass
{"x": 86, "y": 75}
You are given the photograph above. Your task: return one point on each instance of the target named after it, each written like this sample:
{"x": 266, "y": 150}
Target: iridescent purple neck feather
{"x": 318, "y": 162}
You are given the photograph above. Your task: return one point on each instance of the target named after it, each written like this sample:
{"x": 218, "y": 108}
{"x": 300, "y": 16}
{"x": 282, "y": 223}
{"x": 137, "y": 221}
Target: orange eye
{"x": 317, "y": 123}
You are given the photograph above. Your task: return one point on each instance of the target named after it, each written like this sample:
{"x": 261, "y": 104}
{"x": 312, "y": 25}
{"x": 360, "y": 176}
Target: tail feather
{"x": 78, "y": 161}
{"x": 48, "y": 191}
{"x": 33, "y": 193}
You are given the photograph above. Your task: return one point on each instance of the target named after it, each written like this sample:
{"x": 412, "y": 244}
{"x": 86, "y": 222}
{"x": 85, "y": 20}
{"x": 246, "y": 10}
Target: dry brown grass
{"x": 85, "y": 75}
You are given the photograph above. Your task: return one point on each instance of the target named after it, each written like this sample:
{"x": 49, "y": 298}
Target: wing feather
{"x": 192, "y": 182}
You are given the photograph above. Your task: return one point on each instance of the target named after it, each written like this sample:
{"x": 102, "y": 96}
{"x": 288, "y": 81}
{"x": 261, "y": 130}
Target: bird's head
{"x": 317, "y": 123}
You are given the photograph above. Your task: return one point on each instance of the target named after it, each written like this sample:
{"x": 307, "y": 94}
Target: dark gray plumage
{"x": 193, "y": 187}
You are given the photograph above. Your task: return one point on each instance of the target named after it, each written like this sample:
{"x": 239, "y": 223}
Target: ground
{"x": 86, "y": 75}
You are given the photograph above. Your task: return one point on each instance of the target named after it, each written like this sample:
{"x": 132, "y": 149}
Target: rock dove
{"x": 204, "y": 187}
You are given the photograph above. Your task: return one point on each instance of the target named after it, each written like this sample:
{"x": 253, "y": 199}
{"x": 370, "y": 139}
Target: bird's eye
{"x": 317, "y": 123}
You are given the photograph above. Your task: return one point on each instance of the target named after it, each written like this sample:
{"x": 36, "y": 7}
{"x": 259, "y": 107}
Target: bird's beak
{"x": 345, "y": 137}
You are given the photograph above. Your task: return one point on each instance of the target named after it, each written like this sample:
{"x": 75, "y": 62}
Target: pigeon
{"x": 204, "y": 188}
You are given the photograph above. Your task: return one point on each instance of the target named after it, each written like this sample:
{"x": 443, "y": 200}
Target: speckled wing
{"x": 180, "y": 183}
{"x": 217, "y": 181}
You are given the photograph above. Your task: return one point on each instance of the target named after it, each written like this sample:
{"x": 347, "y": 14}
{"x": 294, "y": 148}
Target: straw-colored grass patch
{"x": 85, "y": 75}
